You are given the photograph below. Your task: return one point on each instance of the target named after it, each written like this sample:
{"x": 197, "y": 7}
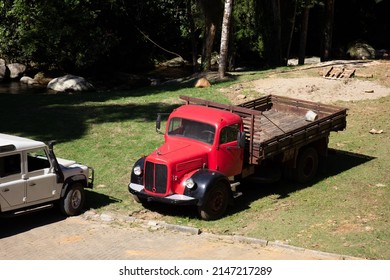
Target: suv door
{"x": 40, "y": 177}
{"x": 12, "y": 184}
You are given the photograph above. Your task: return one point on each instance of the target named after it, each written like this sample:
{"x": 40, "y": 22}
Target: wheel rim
{"x": 308, "y": 167}
{"x": 216, "y": 204}
{"x": 76, "y": 199}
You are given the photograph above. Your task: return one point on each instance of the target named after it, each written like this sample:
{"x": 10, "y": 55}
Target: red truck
{"x": 210, "y": 148}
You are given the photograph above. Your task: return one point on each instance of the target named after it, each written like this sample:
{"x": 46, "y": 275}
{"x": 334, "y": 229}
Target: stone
{"x": 70, "y": 83}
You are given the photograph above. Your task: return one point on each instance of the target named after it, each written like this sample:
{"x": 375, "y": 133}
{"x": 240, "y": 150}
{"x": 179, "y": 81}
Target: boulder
{"x": 28, "y": 80}
{"x": 4, "y": 73}
{"x": 70, "y": 83}
{"x": 202, "y": 83}
{"x": 361, "y": 50}
{"x": 16, "y": 70}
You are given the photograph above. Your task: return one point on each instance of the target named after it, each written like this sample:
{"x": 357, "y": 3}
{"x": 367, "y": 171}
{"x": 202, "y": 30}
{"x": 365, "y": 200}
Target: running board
{"x": 30, "y": 210}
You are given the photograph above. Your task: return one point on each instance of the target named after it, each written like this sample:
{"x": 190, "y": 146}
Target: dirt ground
{"x": 370, "y": 81}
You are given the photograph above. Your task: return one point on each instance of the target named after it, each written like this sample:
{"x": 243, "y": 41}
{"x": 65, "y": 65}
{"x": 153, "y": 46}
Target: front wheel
{"x": 73, "y": 201}
{"x": 215, "y": 203}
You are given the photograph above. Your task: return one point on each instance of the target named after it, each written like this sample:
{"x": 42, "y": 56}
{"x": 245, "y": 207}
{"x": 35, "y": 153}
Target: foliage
{"x": 75, "y": 35}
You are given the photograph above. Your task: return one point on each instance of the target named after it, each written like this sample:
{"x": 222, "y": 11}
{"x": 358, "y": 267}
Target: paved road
{"x": 47, "y": 235}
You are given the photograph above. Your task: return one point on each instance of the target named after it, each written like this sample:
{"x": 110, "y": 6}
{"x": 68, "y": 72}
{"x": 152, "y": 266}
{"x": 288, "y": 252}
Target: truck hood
{"x": 182, "y": 155}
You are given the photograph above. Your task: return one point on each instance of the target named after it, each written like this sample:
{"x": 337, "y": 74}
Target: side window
{"x": 175, "y": 127}
{"x": 229, "y": 134}
{"x": 10, "y": 165}
{"x": 37, "y": 160}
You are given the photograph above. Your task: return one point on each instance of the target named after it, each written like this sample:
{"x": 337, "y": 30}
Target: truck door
{"x": 229, "y": 154}
{"x": 40, "y": 177}
{"x": 12, "y": 185}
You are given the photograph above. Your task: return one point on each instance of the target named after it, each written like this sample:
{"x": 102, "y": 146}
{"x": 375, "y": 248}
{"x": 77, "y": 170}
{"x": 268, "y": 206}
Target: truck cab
{"x": 200, "y": 152}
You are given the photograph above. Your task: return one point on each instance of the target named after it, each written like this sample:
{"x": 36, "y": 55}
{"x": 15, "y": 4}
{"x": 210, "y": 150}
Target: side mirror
{"x": 158, "y": 122}
{"x": 241, "y": 139}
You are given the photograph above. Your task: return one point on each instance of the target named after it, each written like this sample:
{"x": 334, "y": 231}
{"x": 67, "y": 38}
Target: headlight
{"x": 137, "y": 170}
{"x": 189, "y": 183}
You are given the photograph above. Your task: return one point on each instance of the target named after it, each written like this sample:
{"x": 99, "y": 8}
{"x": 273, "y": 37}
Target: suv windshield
{"x": 191, "y": 129}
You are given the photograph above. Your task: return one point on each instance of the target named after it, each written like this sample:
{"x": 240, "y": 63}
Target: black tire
{"x": 307, "y": 165}
{"x": 215, "y": 203}
{"x": 73, "y": 201}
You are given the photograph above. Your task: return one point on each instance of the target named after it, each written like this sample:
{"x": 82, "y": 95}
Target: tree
{"x": 212, "y": 10}
{"x": 303, "y": 35}
{"x": 225, "y": 38}
{"x": 328, "y": 30}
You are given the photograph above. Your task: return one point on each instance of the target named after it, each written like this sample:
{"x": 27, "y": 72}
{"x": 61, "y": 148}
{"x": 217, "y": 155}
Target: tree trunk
{"x": 303, "y": 38}
{"x": 193, "y": 38}
{"x": 328, "y": 30}
{"x": 291, "y": 32}
{"x": 223, "y": 55}
{"x": 272, "y": 31}
{"x": 212, "y": 11}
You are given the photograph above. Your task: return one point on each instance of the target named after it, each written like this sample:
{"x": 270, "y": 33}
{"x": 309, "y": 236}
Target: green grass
{"x": 345, "y": 211}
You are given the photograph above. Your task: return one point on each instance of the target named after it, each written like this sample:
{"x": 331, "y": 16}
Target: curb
{"x": 156, "y": 225}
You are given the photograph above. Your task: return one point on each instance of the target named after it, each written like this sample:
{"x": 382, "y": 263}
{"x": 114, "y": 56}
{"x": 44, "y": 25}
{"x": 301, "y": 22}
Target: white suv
{"x": 32, "y": 178}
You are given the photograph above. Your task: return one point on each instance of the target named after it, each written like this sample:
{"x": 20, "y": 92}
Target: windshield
{"x": 191, "y": 129}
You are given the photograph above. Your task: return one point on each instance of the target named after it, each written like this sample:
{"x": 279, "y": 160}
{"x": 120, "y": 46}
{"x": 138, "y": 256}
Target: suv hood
{"x": 65, "y": 162}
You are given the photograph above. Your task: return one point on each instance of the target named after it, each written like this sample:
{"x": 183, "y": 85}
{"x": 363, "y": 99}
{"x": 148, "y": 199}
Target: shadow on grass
{"x": 97, "y": 200}
{"x": 66, "y": 117}
{"x": 338, "y": 162}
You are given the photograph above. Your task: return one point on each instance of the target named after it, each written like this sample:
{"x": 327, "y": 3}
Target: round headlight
{"x": 137, "y": 170}
{"x": 189, "y": 183}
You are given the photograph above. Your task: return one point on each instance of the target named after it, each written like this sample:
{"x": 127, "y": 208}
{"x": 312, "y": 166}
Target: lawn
{"x": 346, "y": 210}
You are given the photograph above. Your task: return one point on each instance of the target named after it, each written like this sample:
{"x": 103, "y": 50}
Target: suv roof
{"x": 10, "y": 143}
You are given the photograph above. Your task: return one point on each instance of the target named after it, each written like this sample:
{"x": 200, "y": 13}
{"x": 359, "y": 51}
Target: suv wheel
{"x": 73, "y": 201}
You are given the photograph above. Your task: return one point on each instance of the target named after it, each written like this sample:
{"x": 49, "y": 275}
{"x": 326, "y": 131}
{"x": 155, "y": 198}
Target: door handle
{"x": 6, "y": 190}
{"x": 32, "y": 184}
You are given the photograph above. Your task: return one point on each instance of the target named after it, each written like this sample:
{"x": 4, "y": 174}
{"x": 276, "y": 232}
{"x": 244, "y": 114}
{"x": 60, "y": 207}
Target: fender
{"x": 134, "y": 178}
{"x": 204, "y": 180}
{"x": 76, "y": 178}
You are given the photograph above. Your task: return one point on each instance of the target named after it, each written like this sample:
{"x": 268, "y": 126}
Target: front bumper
{"x": 179, "y": 199}
{"x": 91, "y": 177}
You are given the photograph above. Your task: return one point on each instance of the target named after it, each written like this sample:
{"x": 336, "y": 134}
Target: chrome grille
{"x": 156, "y": 177}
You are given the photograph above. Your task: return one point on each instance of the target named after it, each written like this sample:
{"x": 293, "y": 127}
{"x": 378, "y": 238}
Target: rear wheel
{"x": 307, "y": 165}
{"x": 215, "y": 203}
{"x": 73, "y": 201}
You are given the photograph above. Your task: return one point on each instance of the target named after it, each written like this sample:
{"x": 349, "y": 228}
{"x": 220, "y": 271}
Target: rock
{"x": 202, "y": 83}
{"x": 175, "y": 62}
{"x": 16, "y": 70}
{"x": 361, "y": 50}
{"x": 41, "y": 78}
{"x": 28, "y": 80}
{"x": 374, "y": 131}
{"x": 70, "y": 83}
{"x": 2, "y": 62}
{"x": 4, "y": 73}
